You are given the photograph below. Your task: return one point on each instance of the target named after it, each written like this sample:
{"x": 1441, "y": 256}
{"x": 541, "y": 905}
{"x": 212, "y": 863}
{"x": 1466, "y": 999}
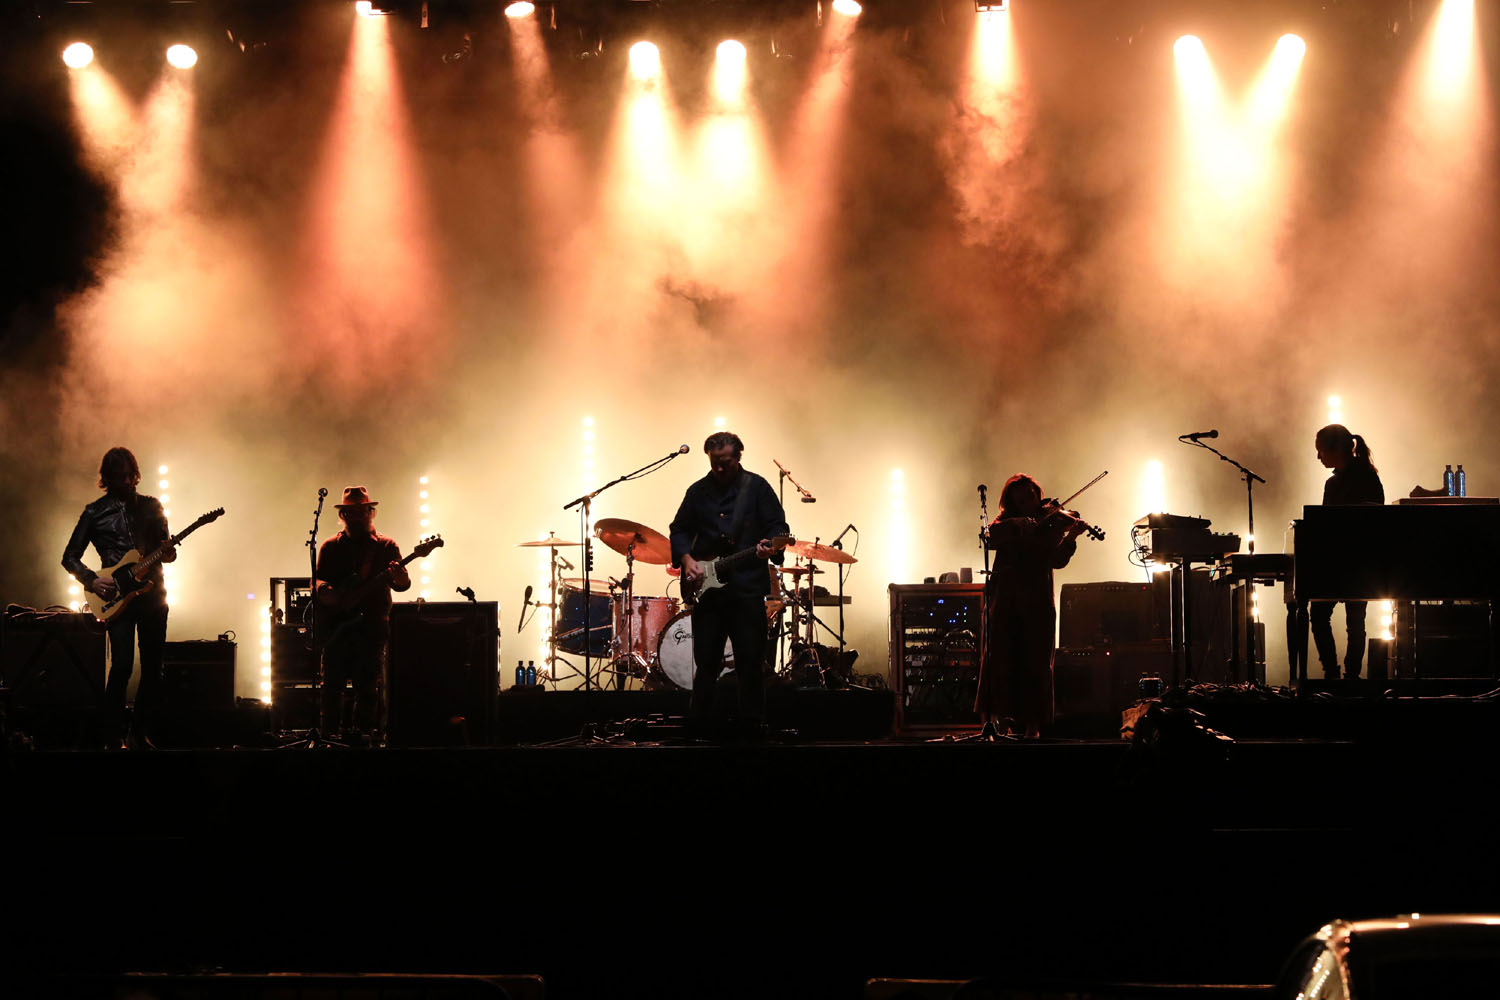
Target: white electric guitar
{"x": 716, "y": 571}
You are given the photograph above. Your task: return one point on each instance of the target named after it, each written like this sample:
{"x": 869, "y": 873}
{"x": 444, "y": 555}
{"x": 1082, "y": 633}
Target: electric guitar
{"x": 715, "y": 572}
{"x": 131, "y": 571}
{"x": 336, "y": 618}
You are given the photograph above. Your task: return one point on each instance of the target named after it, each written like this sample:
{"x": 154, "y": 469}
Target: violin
{"x": 1052, "y": 508}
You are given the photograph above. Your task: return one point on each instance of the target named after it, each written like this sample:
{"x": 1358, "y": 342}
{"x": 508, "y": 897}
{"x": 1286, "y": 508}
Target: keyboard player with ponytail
{"x": 1354, "y": 481}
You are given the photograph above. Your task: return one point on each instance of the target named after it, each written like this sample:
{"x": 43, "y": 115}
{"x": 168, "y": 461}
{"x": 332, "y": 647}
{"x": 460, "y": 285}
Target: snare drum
{"x": 674, "y": 651}
{"x": 569, "y": 625}
{"x": 648, "y": 616}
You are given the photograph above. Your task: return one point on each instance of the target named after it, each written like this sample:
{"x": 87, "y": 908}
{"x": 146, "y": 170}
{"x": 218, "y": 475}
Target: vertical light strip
{"x": 265, "y": 653}
{"x": 424, "y": 521}
{"x": 168, "y": 570}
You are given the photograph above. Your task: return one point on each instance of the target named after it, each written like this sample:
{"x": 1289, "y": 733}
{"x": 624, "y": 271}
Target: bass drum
{"x": 648, "y": 617}
{"x": 674, "y": 651}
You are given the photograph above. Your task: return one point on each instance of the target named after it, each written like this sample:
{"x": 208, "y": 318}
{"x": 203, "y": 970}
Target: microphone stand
{"x": 984, "y": 530}
{"x": 1250, "y": 479}
{"x": 314, "y": 737}
{"x": 584, "y": 505}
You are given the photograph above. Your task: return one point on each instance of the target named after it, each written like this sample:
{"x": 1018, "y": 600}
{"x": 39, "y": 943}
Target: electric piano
{"x": 1426, "y": 551}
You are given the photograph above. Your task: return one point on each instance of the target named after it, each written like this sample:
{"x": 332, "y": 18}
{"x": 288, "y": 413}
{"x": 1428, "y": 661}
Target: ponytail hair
{"x": 1337, "y": 439}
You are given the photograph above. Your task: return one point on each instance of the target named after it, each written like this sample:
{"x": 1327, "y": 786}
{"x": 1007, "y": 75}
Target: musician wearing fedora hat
{"x": 357, "y": 570}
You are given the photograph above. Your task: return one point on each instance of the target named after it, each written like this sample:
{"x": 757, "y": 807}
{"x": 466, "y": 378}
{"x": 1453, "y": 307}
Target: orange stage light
{"x": 78, "y": 55}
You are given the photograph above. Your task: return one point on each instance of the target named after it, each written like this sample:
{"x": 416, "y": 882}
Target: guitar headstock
{"x": 209, "y": 518}
{"x": 426, "y": 545}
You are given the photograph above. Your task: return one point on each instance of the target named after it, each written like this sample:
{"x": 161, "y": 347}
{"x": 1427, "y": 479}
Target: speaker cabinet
{"x": 1106, "y": 681}
{"x": 442, "y": 673}
{"x": 198, "y": 674}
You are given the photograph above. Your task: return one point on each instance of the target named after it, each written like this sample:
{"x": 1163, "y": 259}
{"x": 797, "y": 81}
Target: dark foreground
{"x": 788, "y": 870}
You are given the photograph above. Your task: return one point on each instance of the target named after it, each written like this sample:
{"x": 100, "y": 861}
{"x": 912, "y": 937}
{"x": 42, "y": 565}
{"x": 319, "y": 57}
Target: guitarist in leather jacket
{"x": 361, "y": 620}
{"x": 729, "y": 510}
{"x": 114, "y": 524}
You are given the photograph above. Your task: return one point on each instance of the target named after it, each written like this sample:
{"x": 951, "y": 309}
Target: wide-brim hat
{"x": 356, "y": 496}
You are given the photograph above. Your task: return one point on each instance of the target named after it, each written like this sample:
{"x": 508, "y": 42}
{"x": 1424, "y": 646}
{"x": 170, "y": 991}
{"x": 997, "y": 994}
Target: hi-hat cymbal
{"x": 597, "y": 585}
{"x": 799, "y": 570}
{"x": 651, "y": 546}
{"x": 550, "y": 542}
{"x": 820, "y": 553}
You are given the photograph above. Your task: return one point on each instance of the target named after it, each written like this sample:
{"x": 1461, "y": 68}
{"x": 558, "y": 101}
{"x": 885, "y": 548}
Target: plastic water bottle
{"x": 531, "y": 673}
{"x": 520, "y": 674}
{"x": 1462, "y": 482}
{"x": 1448, "y": 480}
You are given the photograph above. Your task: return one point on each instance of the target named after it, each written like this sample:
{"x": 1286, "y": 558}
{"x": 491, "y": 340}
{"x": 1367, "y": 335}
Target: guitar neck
{"x": 144, "y": 566}
{"x": 364, "y": 587}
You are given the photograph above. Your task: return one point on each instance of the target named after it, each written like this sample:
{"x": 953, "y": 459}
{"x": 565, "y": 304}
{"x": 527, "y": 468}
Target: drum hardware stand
{"x": 552, "y": 605}
{"x": 838, "y": 543}
{"x": 584, "y": 505}
{"x": 313, "y": 739}
{"x": 624, "y": 650}
{"x": 783, "y": 474}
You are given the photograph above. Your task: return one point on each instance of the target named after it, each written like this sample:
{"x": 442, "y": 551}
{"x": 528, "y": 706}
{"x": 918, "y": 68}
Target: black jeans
{"x": 1320, "y": 618}
{"x": 145, "y": 618}
{"x": 742, "y": 619}
{"x": 357, "y": 655}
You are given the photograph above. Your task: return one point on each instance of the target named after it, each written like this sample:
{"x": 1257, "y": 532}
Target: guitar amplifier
{"x": 198, "y": 674}
{"x": 52, "y": 660}
{"x": 936, "y": 632}
{"x": 443, "y": 673}
{"x": 1102, "y": 614}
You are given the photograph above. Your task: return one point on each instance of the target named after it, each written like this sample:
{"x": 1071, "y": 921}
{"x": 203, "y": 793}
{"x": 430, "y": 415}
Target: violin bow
{"x": 1086, "y": 485}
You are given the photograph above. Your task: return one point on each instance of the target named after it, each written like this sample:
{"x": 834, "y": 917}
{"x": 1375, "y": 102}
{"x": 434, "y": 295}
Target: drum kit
{"x": 649, "y": 639}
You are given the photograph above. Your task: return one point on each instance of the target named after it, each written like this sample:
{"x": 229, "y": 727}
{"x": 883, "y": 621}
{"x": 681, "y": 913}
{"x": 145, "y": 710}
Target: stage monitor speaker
{"x": 52, "y": 660}
{"x": 198, "y": 673}
{"x": 442, "y": 673}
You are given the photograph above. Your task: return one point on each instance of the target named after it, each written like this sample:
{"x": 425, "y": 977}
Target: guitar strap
{"x": 741, "y": 507}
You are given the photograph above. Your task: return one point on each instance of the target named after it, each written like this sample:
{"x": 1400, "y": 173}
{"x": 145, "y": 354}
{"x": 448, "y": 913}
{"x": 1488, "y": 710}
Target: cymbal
{"x": 651, "y": 546}
{"x": 550, "y": 542}
{"x": 820, "y": 553}
{"x": 597, "y": 584}
{"x": 799, "y": 570}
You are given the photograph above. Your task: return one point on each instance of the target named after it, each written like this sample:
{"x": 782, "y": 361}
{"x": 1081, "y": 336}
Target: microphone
{"x": 467, "y": 592}
{"x": 838, "y": 542}
{"x": 525, "y": 603}
{"x": 322, "y": 492}
{"x": 809, "y": 498}
{"x": 1197, "y": 434}
{"x": 565, "y": 563}
{"x": 682, "y": 449}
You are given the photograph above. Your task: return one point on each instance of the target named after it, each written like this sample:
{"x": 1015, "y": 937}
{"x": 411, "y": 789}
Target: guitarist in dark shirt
{"x": 1354, "y": 481}
{"x": 727, "y": 511}
{"x": 355, "y": 620}
{"x": 114, "y": 524}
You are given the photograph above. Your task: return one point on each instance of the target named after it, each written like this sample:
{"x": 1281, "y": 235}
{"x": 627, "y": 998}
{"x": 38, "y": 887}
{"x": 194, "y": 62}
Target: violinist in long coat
{"x": 1015, "y": 667}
